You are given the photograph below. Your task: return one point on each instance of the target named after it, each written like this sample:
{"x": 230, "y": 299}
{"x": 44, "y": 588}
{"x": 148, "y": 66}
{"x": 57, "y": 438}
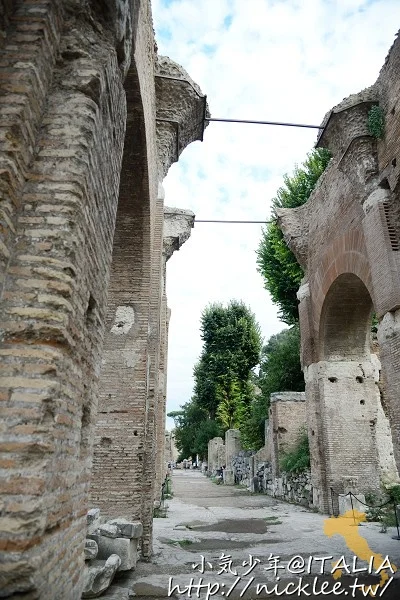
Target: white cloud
{"x": 278, "y": 60}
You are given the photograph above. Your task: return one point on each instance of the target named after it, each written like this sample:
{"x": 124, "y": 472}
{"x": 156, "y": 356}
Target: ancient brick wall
{"x": 79, "y": 161}
{"x": 63, "y": 111}
{"x": 287, "y": 415}
{"x": 346, "y": 237}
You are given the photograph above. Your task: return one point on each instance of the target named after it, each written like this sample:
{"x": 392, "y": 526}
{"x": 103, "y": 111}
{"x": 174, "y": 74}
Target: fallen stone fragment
{"x": 125, "y": 548}
{"x": 99, "y": 576}
{"x": 91, "y": 549}
{"x": 108, "y": 530}
{"x": 127, "y": 529}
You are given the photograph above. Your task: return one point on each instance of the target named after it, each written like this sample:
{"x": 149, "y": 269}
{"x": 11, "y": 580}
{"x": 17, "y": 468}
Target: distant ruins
{"x": 91, "y": 120}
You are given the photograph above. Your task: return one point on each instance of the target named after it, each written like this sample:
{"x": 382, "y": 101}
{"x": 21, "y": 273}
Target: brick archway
{"x": 346, "y": 239}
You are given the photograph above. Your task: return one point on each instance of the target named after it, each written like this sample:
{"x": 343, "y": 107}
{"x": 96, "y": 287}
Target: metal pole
{"x": 263, "y": 123}
{"x": 221, "y": 221}
{"x": 352, "y": 507}
{"x": 396, "y": 537}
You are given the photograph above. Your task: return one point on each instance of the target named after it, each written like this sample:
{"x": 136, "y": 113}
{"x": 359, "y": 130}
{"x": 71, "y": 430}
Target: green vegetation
{"x": 181, "y": 543}
{"x": 280, "y": 370}
{"x": 276, "y": 262}
{"x": 376, "y": 122}
{"x": 228, "y": 393}
{"x": 224, "y": 378}
{"x": 385, "y": 515}
{"x": 298, "y": 459}
{"x": 168, "y": 488}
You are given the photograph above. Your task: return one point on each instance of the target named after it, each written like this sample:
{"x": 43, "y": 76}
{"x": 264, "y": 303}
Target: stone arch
{"x": 350, "y": 440}
{"x": 345, "y": 324}
{"x": 346, "y": 255}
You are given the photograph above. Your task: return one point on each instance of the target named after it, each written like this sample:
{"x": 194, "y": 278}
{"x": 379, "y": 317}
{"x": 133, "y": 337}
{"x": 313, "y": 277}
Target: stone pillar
{"x": 154, "y": 404}
{"x": 177, "y": 229}
{"x": 162, "y": 457}
{"x": 287, "y": 417}
{"x": 214, "y": 454}
{"x": 232, "y": 449}
{"x": 346, "y": 392}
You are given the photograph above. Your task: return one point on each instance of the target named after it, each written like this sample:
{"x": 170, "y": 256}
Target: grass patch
{"x": 181, "y": 543}
{"x": 273, "y": 520}
{"x": 159, "y": 513}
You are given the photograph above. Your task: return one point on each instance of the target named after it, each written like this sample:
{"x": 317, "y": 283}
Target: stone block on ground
{"x": 229, "y": 477}
{"x": 108, "y": 530}
{"x": 99, "y": 576}
{"x": 345, "y": 503}
{"x": 93, "y": 519}
{"x": 127, "y": 529}
{"x": 125, "y": 548}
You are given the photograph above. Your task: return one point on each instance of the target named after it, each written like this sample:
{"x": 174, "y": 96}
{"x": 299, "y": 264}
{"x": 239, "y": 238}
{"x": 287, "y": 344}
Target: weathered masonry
{"x": 91, "y": 120}
{"x": 346, "y": 237}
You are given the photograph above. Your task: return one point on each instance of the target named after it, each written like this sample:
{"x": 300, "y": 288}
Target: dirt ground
{"x": 223, "y": 542}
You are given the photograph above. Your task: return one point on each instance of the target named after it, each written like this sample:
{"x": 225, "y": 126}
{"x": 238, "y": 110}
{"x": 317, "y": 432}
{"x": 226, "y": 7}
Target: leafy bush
{"x": 276, "y": 262}
{"x": 384, "y": 515}
{"x": 280, "y": 371}
{"x": 376, "y": 122}
{"x": 298, "y": 459}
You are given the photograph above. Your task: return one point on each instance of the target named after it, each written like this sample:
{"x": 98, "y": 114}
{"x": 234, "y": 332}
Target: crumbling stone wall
{"x": 346, "y": 238}
{"x": 81, "y": 259}
{"x": 287, "y": 416}
{"x": 292, "y": 487}
{"x": 215, "y": 455}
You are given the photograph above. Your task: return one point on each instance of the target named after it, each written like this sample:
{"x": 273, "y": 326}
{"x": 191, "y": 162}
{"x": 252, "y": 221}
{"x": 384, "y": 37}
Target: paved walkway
{"x": 225, "y": 540}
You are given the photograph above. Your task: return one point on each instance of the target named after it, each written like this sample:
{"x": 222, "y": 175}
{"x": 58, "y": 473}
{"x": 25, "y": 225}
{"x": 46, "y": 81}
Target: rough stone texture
{"x": 232, "y": 447}
{"x": 99, "y": 576}
{"x": 91, "y": 549}
{"x": 346, "y": 237}
{"x": 177, "y": 226}
{"x": 287, "y": 415}
{"x": 171, "y": 451}
{"x": 81, "y": 265}
{"x": 126, "y": 529}
{"x": 292, "y": 487}
{"x": 181, "y": 109}
{"x": 125, "y": 549}
{"x": 215, "y": 455}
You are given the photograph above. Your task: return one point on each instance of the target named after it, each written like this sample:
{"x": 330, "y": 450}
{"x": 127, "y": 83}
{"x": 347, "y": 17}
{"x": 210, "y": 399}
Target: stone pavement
{"x": 223, "y": 530}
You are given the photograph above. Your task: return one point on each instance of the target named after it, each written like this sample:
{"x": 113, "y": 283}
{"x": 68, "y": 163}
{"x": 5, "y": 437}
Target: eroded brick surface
{"x": 83, "y": 313}
{"x": 347, "y": 239}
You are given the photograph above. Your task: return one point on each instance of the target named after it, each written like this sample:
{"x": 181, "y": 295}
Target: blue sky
{"x": 279, "y": 60}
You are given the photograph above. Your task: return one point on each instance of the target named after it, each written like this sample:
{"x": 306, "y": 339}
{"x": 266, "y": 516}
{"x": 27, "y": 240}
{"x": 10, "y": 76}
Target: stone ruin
{"x": 287, "y": 417}
{"x": 347, "y": 240}
{"x": 91, "y": 120}
{"x": 110, "y": 547}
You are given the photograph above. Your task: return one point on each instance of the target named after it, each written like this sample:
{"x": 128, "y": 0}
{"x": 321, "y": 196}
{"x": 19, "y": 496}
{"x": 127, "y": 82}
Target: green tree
{"x": 207, "y": 430}
{"x": 232, "y": 345}
{"x": 280, "y": 371}
{"x": 276, "y": 262}
{"x": 187, "y": 424}
{"x": 193, "y": 430}
{"x": 230, "y": 404}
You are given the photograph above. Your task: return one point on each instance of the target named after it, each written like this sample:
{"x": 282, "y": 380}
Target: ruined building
{"x": 346, "y": 238}
{"x": 91, "y": 120}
